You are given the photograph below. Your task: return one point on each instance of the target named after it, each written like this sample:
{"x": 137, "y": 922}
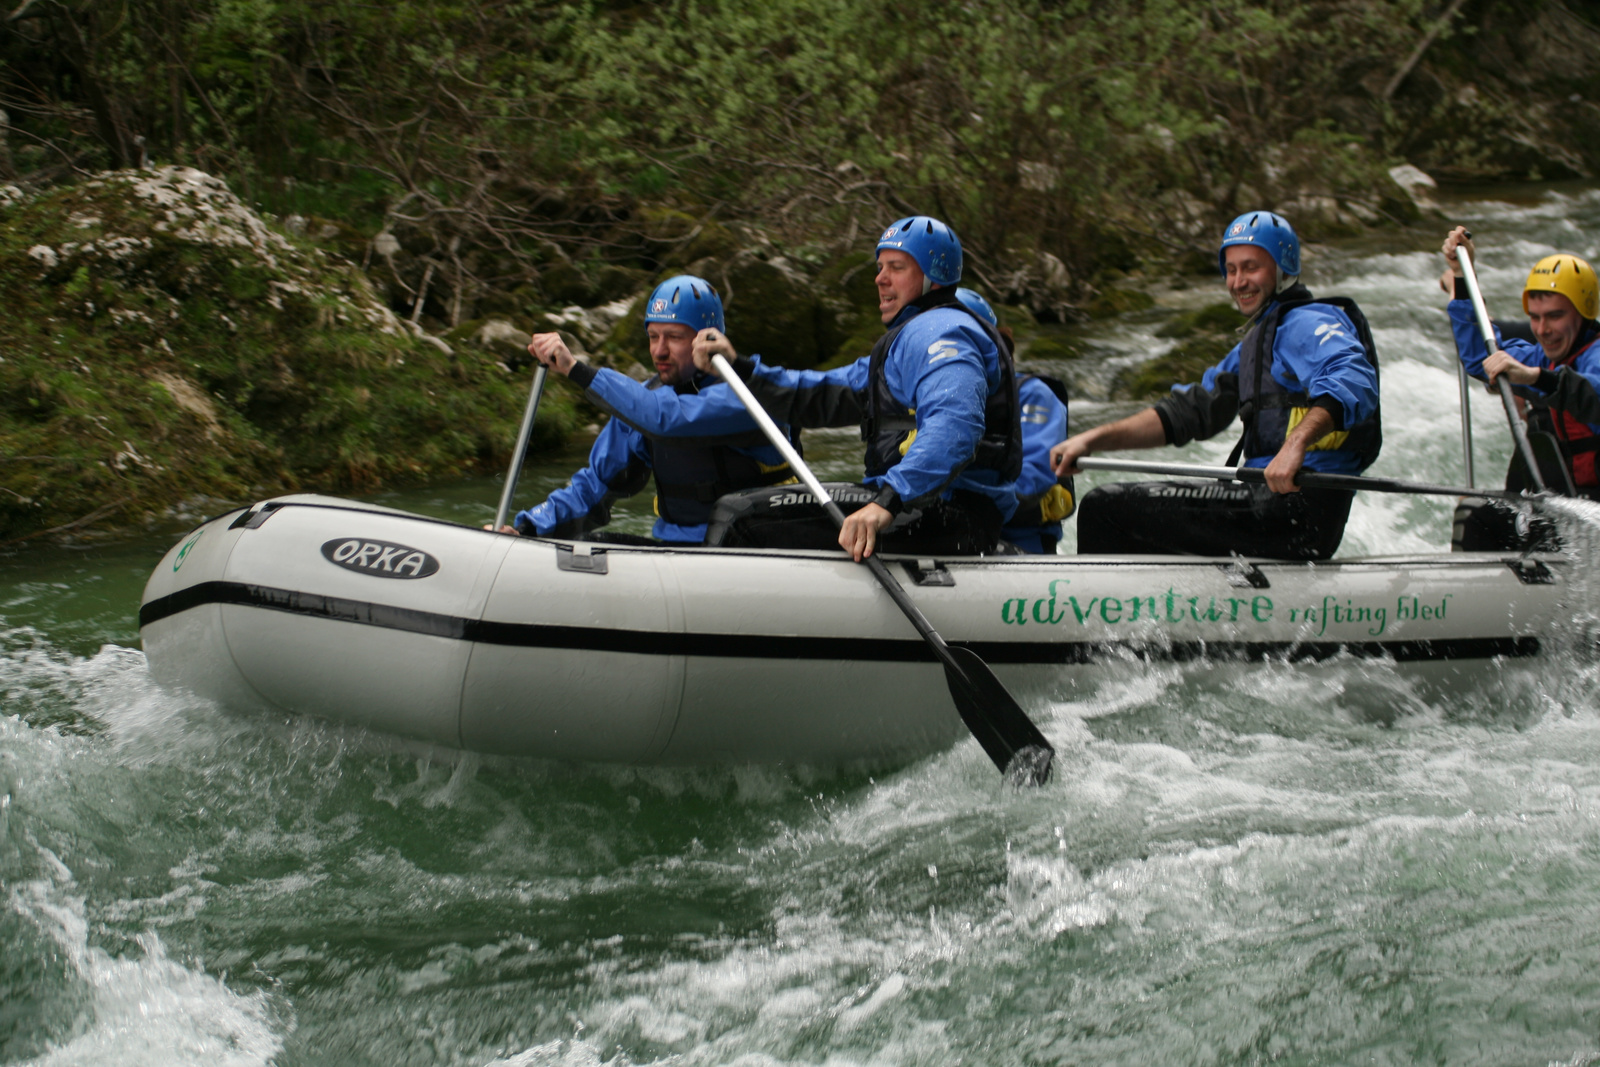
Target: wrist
{"x": 889, "y": 500}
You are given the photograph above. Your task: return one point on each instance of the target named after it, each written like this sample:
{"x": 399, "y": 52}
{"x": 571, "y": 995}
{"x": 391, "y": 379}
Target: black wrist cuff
{"x": 744, "y": 367}
{"x": 1462, "y": 292}
{"x": 1166, "y": 422}
{"x": 582, "y": 375}
{"x": 889, "y": 500}
{"x": 1549, "y": 381}
{"x": 1332, "y": 407}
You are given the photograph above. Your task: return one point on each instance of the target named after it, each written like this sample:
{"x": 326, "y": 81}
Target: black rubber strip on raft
{"x": 764, "y": 646}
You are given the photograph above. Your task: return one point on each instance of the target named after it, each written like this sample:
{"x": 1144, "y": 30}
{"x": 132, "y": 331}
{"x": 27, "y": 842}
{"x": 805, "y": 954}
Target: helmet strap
{"x": 1286, "y": 281}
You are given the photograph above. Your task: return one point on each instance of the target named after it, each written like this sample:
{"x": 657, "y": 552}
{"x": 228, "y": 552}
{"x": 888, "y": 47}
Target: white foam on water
{"x": 147, "y": 1012}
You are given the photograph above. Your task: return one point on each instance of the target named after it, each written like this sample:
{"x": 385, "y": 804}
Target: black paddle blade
{"x": 1004, "y": 730}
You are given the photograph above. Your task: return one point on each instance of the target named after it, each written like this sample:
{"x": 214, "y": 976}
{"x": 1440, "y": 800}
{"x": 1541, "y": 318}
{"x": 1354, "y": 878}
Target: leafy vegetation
{"x": 565, "y": 147}
{"x": 162, "y": 342}
{"x": 506, "y": 159}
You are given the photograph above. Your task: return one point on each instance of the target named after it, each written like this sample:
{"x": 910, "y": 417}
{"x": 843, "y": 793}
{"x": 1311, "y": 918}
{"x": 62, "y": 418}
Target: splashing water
{"x": 1231, "y": 864}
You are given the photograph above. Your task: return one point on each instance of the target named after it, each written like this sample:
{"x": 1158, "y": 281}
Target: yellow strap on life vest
{"x": 1326, "y": 443}
{"x": 1057, "y": 504}
{"x": 912, "y": 436}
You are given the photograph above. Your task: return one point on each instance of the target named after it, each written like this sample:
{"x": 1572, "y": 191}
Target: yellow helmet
{"x": 1569, "y": 276}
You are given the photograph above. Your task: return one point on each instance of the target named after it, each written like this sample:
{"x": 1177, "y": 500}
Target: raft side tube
{"x": 533, "y": 688}
{"x": 292, "y": 586}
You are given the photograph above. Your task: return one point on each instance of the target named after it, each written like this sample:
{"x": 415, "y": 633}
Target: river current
{"x": 1297, "y": 865}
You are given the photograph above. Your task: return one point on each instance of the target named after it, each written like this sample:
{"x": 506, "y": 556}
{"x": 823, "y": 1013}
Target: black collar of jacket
{"x": 944, "y": 296}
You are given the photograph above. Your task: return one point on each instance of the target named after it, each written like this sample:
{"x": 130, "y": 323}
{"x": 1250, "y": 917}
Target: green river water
{"x": 1274, "y": 864}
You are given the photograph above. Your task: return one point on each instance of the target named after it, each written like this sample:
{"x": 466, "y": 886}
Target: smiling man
{"x": 1558, "y": 375}
{"x": 696, "y": 455}
{"x": 1304, "y": 382}
{"x": 936, "y": 401}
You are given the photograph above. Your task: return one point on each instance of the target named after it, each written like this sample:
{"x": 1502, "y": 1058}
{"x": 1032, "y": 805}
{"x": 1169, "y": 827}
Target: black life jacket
{"x": 888, "y": 422}
{"x": 1575, "y": 441}
{"x": 692, "y": 472}
{"x": 1264, "y": 404}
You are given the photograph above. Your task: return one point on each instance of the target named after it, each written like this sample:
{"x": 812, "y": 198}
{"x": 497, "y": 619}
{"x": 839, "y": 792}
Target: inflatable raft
{"x": 525, "y": 646}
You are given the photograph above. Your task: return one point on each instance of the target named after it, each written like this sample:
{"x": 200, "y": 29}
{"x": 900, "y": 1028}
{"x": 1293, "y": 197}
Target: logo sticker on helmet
{"x": 659, "y": 306}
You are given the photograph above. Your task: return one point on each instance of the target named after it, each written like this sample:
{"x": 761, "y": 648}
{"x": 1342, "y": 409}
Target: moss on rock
{"x": 1204, "y": 336}
{"x": 162, "y": 343}
{"x": 1114, "y": 301}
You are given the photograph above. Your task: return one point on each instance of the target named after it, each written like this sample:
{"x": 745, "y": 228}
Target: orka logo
{"x": 659, "y": 306}
{"x": 381, "y": 559}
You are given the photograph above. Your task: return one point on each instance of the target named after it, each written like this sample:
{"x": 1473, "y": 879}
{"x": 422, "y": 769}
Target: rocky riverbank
{"x": 170, "y": 352}
{"x": 167, "y": 351}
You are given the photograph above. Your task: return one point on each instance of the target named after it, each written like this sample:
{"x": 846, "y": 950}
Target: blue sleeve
{"x": 1470, "y": 347}
{"x": 615, "y": 463}
{"x": 1044, "y": 424}
{"x": 1318, "y": 352}
{"x": 811, "y": 398}
{"x": 713, "y": 411}
{"x": 1200, "y": 412}
{"x": 937, "y": 369}
{"x": 1209, "y": 380}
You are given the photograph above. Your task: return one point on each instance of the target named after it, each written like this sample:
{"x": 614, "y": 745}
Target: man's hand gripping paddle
{"x": 1004, "y": 730}
{"x": 1518, "y": 430}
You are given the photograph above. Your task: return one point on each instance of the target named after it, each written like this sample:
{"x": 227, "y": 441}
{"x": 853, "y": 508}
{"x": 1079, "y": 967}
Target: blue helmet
{"x": 974, "y": 302}
{"x": 1266, "y": 231}
{"x": 934, "y": 246}
{"x": 685, "y": 299}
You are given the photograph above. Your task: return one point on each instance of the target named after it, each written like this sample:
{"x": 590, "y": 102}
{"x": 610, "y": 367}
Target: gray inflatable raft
{"x": 459, "y": 637}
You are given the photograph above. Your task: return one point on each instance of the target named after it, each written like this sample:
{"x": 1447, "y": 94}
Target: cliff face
{"x": 164, "y": 345}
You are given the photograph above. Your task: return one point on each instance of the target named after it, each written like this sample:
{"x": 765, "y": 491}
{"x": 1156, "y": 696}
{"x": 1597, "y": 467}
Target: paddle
{"x": 1518, "y": 431}
{"x": 1309, "y": 479}
{"x": 1004, "y": 730}
{"x": 521, "y": 450}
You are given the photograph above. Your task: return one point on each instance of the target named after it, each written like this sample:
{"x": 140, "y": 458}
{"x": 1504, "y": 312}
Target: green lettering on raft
{"x": 1049, "y": 611}
{"x": 1037, "y": 604}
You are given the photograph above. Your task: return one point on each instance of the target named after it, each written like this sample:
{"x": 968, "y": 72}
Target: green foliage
{"x": 154, "y": 354}
{"x": 507, "y": 128}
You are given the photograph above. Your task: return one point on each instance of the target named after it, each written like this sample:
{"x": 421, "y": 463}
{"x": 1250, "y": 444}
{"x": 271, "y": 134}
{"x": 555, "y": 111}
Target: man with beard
{"x": 694, "y": 457}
